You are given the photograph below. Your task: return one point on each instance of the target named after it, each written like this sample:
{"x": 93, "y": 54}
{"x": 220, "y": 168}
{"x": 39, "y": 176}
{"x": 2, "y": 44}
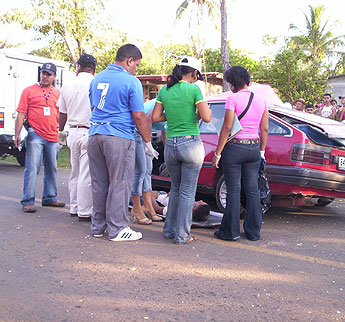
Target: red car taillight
{"x": 2, "y": 120}
{"x": 310, "y": 154}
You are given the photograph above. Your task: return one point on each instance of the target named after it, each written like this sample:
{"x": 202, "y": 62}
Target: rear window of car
{"x": 277, "y": 128}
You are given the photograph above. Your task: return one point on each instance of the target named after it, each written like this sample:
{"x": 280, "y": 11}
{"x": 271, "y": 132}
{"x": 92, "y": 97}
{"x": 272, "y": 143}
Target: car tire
{"x": 21, "y": 157}
{"x": 323, "y": 202}
{"x": 220, "y": 194}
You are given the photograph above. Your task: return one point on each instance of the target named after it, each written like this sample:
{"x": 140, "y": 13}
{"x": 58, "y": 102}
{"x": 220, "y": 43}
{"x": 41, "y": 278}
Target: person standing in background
{"x": 309, "y": 108}
{"x": 327, "y": 110}
{"x": 300, "y": 104}
{"x": 37, "y": 107}
{"x": 74, "y": 107}
{"x": 116, "y": 97}
{"x": 341, "y": 111}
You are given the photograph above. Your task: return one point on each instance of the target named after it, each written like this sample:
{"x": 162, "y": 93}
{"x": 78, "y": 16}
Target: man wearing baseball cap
{"x": 74, "y": 107}
{"x": 37, "y": 107}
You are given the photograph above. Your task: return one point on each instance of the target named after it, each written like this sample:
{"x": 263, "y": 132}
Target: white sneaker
{"x": 127, "y": 234}
{"x": 98, "y": 235}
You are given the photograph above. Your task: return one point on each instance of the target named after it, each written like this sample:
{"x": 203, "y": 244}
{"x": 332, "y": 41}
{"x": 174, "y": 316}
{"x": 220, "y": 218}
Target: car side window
{"x": 216, "y": 123}
{"x": 276, "y": 128}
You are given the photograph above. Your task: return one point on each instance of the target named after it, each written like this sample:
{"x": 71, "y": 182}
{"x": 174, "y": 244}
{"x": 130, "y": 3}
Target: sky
{"x": 248, "y": 21}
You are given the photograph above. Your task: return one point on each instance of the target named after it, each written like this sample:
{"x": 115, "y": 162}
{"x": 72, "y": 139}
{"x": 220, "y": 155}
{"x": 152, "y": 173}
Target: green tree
{"x": 318, "y": 41}
{"x": 68, "y": 24}
{"x": 294, "y": 76}
{"x": 213, "y": 58}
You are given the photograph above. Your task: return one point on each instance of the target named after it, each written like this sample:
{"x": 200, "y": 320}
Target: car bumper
{"x": 305, "y": 177}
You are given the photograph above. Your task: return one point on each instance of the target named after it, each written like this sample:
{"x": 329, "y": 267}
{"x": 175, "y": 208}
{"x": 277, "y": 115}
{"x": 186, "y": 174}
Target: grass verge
{"x": 62, "y": 163}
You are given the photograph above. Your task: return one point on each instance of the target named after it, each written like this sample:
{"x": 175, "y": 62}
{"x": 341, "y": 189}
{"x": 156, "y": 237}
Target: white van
{"x": 18, "y": 71}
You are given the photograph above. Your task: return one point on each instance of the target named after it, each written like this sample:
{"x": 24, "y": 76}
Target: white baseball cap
{"x": 193, "y": 63}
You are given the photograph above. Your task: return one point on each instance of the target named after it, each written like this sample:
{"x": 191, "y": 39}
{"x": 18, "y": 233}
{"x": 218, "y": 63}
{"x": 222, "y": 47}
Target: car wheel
{"x": 21, "y": 157}
{"x": 221, "y": 193}
{"x": 323, "y": 202}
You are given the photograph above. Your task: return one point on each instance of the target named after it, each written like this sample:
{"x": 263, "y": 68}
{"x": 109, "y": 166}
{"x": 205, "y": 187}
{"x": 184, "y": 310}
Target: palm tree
{"x": 212, "y": 8}
{"x": 318, "y": 41}
{"x": 224, "y": 49}
{"x": 197, "y": 9}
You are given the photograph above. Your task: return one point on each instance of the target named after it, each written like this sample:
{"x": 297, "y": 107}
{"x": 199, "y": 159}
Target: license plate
{"x": 341, "y": 162}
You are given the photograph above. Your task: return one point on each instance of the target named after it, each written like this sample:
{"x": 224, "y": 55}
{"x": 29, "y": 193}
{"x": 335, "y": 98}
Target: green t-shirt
{"x": 179, "y": 103}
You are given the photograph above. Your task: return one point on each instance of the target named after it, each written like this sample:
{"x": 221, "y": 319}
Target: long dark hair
{"x": 238, "y": 77}
{"x": 177, "y": 74}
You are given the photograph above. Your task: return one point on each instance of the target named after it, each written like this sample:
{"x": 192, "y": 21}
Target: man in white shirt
{"x": 327, "y": 110}
{"x": 74, "y": 107}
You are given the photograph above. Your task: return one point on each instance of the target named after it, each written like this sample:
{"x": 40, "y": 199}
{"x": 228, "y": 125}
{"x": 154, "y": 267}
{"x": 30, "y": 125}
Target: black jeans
{"x": 241, "y": 161}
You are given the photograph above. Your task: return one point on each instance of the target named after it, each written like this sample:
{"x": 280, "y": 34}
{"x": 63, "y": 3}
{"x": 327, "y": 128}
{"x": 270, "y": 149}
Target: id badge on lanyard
{"x": 46, "y": 109}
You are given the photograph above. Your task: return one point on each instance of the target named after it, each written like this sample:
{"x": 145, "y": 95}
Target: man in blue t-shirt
{"x": 116, "y": 98}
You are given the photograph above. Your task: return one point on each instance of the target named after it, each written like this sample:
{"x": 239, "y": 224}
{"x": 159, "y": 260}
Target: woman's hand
{"x": 215, "y": 161}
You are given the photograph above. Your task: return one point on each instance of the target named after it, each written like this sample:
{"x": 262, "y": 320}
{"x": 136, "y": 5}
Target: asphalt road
{"x": 51, "y": 269}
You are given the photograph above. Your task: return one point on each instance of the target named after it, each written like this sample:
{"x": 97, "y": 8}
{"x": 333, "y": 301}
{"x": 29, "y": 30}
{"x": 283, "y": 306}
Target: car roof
{"x": 333, "y": 128}
{"x": 264, "y": 90}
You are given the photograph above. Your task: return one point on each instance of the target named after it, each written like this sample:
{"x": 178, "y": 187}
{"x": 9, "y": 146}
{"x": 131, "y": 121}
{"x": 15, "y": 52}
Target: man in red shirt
{"x": 37, "y": 107}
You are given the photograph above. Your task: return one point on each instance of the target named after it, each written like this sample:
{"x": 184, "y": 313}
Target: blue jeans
{"x": 184, "y": 157}
{"x": 142, "y": 169}
{"x": 241, "y": 160}
{"x": 36, "y": 147}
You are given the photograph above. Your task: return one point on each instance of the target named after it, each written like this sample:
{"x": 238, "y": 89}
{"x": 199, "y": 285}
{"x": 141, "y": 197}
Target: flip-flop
{"x": 154, "y": 218}
{"x": 143, "y": 221}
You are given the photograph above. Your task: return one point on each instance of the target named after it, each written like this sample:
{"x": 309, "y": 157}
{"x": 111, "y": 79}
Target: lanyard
{"x": 46, "y": 96}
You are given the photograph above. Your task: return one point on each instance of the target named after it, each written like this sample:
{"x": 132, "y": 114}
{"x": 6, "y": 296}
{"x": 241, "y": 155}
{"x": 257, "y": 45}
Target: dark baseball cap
{"x": 86, "y": 60}
{"x": 50, "y": 68}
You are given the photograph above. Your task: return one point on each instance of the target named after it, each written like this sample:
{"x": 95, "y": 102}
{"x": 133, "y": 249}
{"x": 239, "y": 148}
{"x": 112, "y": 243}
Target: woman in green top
{"x": 181, "y": 104}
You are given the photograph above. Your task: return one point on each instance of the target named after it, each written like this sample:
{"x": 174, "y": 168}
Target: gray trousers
{"x": 111, "y": 162}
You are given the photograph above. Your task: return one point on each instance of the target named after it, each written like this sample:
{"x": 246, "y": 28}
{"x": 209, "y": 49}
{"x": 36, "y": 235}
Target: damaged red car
{"x": 305, "y": 157}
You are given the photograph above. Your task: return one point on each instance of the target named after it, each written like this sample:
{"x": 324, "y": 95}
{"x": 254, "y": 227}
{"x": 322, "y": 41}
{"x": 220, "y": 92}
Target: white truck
{"x": 18, "y": 71}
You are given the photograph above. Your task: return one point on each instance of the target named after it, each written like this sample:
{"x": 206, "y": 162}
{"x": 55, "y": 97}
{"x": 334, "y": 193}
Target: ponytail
{"x": 175, "y": 77}
{"x": 177, "y": 74}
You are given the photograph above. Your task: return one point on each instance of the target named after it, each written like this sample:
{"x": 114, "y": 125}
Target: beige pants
{"x": 79, "y": 181}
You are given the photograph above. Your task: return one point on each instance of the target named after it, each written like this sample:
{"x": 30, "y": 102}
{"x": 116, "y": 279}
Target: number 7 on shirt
{"x": 104, "y": 87}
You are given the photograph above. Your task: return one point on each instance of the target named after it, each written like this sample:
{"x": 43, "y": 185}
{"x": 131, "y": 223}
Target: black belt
{"x": 245, "y": 141}
{"x": 79, "y": 126}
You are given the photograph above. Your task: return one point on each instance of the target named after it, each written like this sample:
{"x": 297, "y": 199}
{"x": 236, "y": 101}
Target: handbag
{"x": 264, "y": 189}
{"x": 236, "y": 125}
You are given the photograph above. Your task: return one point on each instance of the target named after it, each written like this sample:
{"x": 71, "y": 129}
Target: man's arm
{"x": 62, "y": 121}
{"x": 18, "y": 126}
{"x": 141, "y": 123}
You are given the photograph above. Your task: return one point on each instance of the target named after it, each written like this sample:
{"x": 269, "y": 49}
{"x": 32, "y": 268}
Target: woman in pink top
{"x": 241, "y": 157}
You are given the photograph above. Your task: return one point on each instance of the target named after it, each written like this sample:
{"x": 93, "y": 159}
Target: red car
{"x": 305, "y": 157}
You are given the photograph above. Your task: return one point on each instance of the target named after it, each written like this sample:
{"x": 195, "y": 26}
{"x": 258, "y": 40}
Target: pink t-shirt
{"x": 251, "y": 120}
